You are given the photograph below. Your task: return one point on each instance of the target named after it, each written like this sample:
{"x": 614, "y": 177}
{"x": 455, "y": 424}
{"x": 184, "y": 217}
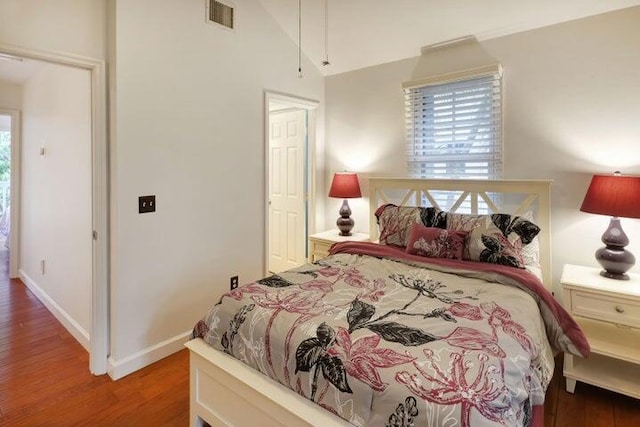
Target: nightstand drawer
{"x": 607, "y": 308}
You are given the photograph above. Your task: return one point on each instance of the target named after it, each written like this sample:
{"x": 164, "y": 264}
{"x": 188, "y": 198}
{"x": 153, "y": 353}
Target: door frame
{"x": 298, "y": 103}
{"x": 14, "y": 190}
{"x": 99, "y": 331}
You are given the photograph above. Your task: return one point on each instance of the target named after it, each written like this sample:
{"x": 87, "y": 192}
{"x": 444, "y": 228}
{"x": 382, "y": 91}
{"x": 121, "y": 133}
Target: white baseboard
{"x": 116, "y": 368}
{"x": 74, "y": 328}
{"x": 120, "y": 368}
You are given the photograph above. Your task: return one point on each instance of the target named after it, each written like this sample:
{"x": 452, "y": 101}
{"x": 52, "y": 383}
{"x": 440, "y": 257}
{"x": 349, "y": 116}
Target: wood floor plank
{"x": 598, "y": 411}
{"x": 627, "y": 411}
{"x": 551, "y": 399}
{"x": 570, "y": 411}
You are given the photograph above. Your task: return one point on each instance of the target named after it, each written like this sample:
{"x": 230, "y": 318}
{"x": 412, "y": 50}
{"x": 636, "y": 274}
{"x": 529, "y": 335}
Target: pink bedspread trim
{"x": 524, "y": 277}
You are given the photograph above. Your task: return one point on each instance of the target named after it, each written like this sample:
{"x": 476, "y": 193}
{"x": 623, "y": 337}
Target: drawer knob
{"x": 619, "y": 309}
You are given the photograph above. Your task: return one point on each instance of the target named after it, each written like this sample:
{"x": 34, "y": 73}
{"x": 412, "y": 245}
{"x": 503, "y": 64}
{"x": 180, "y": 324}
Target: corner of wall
{"x": 123, "y": 367}
{"x": 74, "y": 328}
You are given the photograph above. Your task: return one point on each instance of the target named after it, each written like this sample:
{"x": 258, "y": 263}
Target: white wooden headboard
{"x": 518, "y": 197}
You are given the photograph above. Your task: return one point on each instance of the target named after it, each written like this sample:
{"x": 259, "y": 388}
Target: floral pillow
{"x": 436, "y": 242}
{"x": 495, "y": 238}
{"x": 396, "y": 221}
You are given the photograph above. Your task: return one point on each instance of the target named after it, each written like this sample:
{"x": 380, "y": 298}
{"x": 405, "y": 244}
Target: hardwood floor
{"x": 45, "y": 381}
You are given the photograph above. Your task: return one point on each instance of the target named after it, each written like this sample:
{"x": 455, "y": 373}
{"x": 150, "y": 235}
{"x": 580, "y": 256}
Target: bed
{"x": 446, "y": 323}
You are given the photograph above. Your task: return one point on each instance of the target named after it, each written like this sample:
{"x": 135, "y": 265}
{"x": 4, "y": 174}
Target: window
{"x": 454, "y": 126}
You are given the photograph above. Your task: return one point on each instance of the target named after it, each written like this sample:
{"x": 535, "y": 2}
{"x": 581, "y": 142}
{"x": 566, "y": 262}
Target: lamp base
{"x": 614, "y": 258}
{"x": 617, "y": 276}
{"x": 345, "y": 223}
{"x": 345, "y": 226}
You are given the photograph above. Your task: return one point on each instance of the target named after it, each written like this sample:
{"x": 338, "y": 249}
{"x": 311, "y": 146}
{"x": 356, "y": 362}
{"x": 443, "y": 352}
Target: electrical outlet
{"x": 146, "y": 204}
{"x": 233, "y": 283}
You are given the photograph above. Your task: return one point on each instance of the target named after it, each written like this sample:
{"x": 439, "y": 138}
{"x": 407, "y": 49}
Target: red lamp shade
{"x": 345, "y": 186}
{"x": 613, "y": 195}
{"x": 617, "y": 196}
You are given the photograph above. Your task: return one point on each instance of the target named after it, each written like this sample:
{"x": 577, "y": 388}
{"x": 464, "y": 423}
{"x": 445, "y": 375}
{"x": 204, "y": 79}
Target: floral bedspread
{"x": 382, "y": 341}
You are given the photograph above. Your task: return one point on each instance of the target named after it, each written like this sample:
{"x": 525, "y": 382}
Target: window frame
{"x": 453, "y": 80}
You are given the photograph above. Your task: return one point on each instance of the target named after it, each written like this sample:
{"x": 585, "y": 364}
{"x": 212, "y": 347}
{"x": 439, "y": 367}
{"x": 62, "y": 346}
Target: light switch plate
{"x": 146, "y": 204}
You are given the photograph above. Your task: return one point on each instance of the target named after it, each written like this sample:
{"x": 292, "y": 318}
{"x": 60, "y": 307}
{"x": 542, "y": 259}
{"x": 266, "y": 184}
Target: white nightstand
{"x": 320, "y": 243}
{"x": 608, "y": 311}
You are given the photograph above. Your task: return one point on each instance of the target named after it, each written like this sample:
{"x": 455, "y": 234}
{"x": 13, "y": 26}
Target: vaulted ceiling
{"x": 363, "y": 33}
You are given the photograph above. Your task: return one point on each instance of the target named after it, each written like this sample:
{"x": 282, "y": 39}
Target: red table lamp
{"x": 345, "y": 186}
{"x": 618, "y": 196}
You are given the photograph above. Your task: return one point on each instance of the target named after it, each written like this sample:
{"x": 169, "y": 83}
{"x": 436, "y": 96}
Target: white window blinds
{"x": 454, "y": 128}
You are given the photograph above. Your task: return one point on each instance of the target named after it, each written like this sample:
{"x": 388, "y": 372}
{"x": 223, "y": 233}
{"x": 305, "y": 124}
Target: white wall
{"x": 189, "y": 129}
{"x": 186, "y": 124}
{"x": 55, "y": 216}
{"x": 66, "y": 26}
{"x": 10, "y": 96}
{"x": 570, "y": 110}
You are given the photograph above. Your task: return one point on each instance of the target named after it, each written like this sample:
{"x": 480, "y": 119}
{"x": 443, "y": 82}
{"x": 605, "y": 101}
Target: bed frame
{"x": 225, "y": 392}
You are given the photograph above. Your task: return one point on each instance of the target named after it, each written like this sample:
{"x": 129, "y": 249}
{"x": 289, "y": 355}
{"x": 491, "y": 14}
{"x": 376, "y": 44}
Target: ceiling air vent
{"x": 220, "y": 13}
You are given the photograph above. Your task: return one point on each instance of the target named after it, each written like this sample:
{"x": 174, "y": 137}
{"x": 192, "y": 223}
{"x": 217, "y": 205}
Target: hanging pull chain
{"x": 326, "y": 34}
{"x": 299, "y": 38}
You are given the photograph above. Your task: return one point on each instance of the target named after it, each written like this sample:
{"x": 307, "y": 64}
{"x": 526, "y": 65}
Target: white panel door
{"x": 287, "y": 217}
